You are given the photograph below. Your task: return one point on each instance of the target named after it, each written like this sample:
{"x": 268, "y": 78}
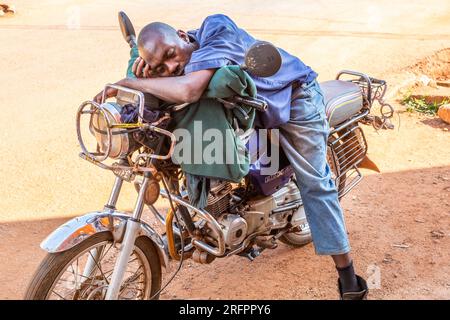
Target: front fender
{"x": 80, "y": 228}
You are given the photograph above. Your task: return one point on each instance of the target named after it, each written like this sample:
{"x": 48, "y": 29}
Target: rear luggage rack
{"x": 348, "y": 149}
{"x": 370, "y": 86}
{"x": 373, "y": 90}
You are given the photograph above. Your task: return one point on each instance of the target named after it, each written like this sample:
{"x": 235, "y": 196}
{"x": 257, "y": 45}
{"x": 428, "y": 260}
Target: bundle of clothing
{"x": 234, "y": 162}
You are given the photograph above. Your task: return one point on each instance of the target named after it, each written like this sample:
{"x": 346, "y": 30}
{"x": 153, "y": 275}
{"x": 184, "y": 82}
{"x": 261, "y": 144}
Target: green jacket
{"x": 204, "y": 157}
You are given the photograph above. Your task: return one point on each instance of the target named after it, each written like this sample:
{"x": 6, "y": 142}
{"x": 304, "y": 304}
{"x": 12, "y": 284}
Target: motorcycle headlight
{"x": 120, "y": 142}
{"x": 112, "y": 141}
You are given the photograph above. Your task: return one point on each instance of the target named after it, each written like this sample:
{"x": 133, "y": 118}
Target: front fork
{"x": 95, "y": 254}
{"x": 126, "y": 247}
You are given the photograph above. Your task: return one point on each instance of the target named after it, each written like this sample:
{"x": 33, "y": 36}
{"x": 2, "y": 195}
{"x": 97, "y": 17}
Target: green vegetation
{"x": 421, "y": 105}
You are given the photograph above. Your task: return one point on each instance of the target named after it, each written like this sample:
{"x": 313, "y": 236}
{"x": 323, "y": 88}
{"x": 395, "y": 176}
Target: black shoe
{"x": 355, "y": 295}
{"x": 127, "y": 29}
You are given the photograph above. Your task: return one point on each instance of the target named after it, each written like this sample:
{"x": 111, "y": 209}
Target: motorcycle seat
{"x": 343, "y": 99}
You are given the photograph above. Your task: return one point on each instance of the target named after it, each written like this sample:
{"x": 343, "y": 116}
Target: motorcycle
{"x": 112, "y": 254}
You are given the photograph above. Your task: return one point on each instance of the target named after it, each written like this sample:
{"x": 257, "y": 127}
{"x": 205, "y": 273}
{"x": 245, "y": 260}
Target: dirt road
{"x": 56, "y": 54}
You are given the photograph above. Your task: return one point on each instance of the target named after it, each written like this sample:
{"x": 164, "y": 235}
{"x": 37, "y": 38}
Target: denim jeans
{"x": 304, "y": 140}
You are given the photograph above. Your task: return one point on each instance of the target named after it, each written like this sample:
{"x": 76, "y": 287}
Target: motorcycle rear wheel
{"x": 298, "y": 238}
{"x": 49, "y": 275}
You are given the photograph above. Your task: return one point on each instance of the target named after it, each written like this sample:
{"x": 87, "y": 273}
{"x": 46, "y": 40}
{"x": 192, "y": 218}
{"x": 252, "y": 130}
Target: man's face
{"x": 166, "y": 55}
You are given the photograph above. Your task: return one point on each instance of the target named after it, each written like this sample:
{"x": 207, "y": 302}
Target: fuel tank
{"x": 268, "y": 172}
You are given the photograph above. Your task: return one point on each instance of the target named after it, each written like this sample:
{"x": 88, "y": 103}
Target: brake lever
{"x": 231, "y": 105}
{"x": 227, "y": 104}
{"x": 259, "y": 105}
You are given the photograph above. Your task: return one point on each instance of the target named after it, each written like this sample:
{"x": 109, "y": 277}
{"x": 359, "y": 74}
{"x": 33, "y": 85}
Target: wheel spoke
{"x": 106, "y": 252}
{"x": 75, "y": 274}
{"x": 58, "y": 295}
{"x": 99, "y": 267}
{"x": 131, "y": 261}
{"x": 133, "y": 277}
{"x": 76, "y": 277}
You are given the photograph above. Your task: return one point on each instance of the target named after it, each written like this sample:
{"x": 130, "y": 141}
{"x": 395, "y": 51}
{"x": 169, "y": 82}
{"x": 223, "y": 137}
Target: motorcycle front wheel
{"x": 66, "y": 276}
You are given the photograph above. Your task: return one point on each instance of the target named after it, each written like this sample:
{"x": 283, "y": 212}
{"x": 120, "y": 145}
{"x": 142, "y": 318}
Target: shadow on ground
{"x": 385, "y": 210}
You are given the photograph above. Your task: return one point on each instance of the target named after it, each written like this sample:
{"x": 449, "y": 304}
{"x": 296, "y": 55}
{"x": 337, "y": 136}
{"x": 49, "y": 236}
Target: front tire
{"x": 49, "y": 275}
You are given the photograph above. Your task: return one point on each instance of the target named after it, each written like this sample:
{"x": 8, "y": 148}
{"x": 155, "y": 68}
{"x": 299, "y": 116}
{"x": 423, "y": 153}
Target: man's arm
{"x": 187, "y": 88}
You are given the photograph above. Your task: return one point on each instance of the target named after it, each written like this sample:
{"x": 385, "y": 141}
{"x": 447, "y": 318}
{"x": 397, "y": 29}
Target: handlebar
{"x": 234, "y": 102}
{"x": 259, "y": 105}
{"x": 139, "y": 94}
{"x": 140, "y": 124}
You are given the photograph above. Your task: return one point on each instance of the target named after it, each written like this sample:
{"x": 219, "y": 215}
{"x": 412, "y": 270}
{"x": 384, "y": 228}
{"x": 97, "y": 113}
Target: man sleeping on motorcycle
{"x": 176, "y": 66}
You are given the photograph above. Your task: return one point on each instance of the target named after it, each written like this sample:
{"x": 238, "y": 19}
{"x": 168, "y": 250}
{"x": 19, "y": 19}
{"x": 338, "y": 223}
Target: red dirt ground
{"x": 398, "y": 220}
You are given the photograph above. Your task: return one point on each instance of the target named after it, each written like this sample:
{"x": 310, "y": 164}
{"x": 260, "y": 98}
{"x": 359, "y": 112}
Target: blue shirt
{"x": 222, "y": 43}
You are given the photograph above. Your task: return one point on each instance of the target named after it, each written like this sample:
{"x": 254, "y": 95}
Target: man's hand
{"x": 140, "y": 69}
{"x": 110, "y": 92}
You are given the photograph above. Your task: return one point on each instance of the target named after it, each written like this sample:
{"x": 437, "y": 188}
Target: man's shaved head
{"x": 153, "y": 31}
{"x": 164, "y": 49}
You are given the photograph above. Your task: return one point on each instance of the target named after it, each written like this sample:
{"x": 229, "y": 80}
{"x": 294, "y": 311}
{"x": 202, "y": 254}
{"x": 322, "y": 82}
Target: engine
{"x": 219, "y": 197}
{"x": 274, "y": 211}
{"x": 219, "y": 200}
{"x": 260, "y": 214}
{"x": 235, "y": 229}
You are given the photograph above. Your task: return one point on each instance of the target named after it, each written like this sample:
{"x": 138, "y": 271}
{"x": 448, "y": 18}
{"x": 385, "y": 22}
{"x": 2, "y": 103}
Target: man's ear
{"x": 183, "y": 35}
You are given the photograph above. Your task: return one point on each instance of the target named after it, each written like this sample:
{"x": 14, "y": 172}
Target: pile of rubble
{"x": 431, "y": 81}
